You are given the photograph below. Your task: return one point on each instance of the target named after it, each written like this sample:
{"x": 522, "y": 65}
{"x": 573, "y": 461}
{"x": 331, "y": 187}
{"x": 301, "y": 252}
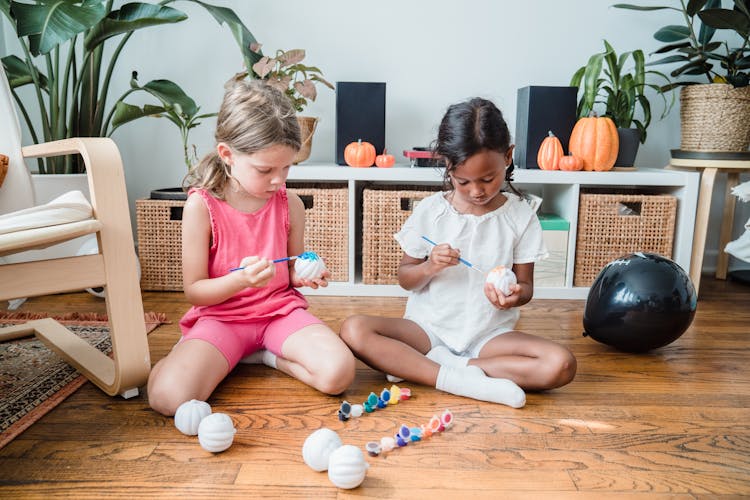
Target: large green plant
{"x": 618, "y": 91}
{"x": 63, "y": 58}
{"x": 693, "y": 46}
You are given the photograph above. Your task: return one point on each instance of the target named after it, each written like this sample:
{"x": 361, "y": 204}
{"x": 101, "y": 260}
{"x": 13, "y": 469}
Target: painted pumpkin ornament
{"x": 595, "y": 141}
{"x": 189, "y": 414}
{"x": 318, "y": 447}
{"x": 359, "y": 154}
{"x": 549, "y": 153}
{"x": 502, "y": 278}
{"x": 216, "y": 432}
{"x": 347, "y": 467}
{"x": 309, "y": 266}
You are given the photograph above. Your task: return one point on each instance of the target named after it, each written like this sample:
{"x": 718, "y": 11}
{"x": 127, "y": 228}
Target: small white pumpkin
{"x": 502, "y": 278}
{"x": 309, "y": 266}
{"x": 318, "y": 448}
{"x": 216, "y": 432}
{"x": 189, "y": 415}
{"x": 347, "y": 467}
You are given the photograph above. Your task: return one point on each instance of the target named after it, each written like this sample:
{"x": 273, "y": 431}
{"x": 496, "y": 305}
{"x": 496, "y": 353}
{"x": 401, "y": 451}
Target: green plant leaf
{"x": 172, "y": 97}
{"x": 639, "y": 7}
{"x": 51, "y": 23}
{"x": 672, "y": 33}
{"x": 131, "y": 17}
{"x": 241, "y": 34}
{"x": 694, "y": 6}
{"x": 19, "y": 73}
{"x": 125, "y": 113}
{"x": 727, "y": 19}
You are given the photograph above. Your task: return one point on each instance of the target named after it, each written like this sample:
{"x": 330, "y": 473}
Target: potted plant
{"x": 619, "y": 92}
{"x": 69, "y": 52}
{"x": 286, "y": 72}
{"x": 712, "y": 75}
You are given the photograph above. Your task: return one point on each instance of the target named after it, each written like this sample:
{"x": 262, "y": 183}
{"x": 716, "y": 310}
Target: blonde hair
{"x": 252, "y": 117}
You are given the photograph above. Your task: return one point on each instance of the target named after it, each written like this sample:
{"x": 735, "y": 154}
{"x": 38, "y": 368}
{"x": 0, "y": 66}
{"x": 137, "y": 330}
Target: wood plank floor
{"x": 674, "y": 423}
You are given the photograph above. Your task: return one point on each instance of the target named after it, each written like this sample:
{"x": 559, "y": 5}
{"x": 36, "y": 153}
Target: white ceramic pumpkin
{"x": 189, "y": 415}
{"x": 347, "y": 467}
{"x": 318, "y": 448}
{"x": 309, "y": 266}
{"x": 502, "y": 278}
{"x": 216, "y": 432}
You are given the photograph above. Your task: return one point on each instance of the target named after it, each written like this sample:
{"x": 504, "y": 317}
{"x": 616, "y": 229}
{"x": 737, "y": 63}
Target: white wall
{"x": 430, "y": 53}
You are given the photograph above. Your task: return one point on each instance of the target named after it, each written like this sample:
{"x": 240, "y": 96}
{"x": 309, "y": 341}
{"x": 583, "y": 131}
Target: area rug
{"x": 33, "y": 379}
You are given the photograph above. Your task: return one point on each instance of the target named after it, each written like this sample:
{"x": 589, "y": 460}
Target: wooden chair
{"x": 114, "y": 267}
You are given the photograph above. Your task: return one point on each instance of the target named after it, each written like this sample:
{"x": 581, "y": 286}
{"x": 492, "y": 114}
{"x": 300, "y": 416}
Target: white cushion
{"x": 69, "y": 207}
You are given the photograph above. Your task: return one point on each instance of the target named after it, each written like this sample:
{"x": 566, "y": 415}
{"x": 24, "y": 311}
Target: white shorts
{"x": 472, "y": 350}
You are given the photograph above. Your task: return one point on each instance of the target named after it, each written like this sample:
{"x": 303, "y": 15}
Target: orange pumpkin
{"x": 594, "y": 140}
{"x": 550, "y": 152}
{"x": 385, "y": 160}
{"x": 570, "y": 163}
{"x": 359, "y": 154}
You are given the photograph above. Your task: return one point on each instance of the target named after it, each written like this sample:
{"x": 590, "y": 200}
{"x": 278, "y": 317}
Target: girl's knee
{"x": 165, "y": 396}
{"x": 565, "y": 366}
{"x": 335, "y": 378}
{"x": 353, "y": 329}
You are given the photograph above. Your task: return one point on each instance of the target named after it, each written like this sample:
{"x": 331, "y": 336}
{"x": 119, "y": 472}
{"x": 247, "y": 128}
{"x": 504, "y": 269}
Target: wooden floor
{"x": 674, "y": 423}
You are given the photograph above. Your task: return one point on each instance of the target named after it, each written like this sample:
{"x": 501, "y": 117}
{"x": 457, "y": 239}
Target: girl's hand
{"x": 298, "y": 282}
{"x": 499, "y": 299}
{"x": 257, "y": 271}
{"x": 443, "y": 256}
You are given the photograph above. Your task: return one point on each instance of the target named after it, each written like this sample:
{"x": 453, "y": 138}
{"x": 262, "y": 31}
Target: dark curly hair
{"x": 468, "y": 128}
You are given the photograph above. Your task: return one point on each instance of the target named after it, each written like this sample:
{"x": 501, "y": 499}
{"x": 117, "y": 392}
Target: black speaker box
{"x": 360, "y": 114}
{"x": 539, "y": 110}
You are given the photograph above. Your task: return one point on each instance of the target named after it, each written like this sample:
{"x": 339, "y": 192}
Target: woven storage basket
{"x": 606, "y": 233}
{"x": 160, "y": 243}
{"x": 327, "y": 224}
{"x": 714, "y": 117}
{"x": 384, "y": 211}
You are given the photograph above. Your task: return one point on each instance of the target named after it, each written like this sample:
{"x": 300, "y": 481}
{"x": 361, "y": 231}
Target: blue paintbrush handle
{"x": 275, "y": 261}
{"x": 462, "y": 261}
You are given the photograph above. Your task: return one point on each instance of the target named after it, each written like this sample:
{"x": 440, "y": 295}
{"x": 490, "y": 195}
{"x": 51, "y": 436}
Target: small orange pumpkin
{"x": 570, "y": 163}
{"x": 594, "y": 140}
{"x": 359, "y": 154}
{"x": 550, "y": 152}
{"x": 385, "y": 160}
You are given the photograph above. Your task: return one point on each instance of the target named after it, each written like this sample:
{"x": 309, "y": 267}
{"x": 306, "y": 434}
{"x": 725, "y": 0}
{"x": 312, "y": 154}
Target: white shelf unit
{"x": 559, "y": 190}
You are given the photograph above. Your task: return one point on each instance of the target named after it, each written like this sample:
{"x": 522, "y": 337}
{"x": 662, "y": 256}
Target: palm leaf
{"x": 19, "y": 73}
{"x": 52, "y": 23}
{"x": 131, "y": 17}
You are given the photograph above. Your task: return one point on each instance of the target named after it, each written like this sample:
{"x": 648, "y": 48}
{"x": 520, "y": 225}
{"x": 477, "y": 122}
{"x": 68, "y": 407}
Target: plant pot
{"x": 174, "y": 193}
{"x": 630, "y": 140}
{"x": 307, "y": 125}
{"x": 714, "y": 117}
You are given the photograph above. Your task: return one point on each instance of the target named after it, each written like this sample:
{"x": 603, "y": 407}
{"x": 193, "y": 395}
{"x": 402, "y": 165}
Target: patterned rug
{"x": 33, "y": 379}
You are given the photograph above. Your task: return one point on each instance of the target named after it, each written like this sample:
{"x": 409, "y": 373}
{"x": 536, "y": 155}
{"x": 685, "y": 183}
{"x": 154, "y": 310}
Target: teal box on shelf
{"x": 551, "y": 271}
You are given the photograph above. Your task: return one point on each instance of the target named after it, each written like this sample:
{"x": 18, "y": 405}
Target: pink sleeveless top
{"x": 236, "y": 235}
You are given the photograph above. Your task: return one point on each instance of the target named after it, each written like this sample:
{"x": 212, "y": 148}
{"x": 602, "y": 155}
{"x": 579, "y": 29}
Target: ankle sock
{"x": 443, "y": 356}
{"x": 471, "y": 382}
{"x": 263, "y": 356}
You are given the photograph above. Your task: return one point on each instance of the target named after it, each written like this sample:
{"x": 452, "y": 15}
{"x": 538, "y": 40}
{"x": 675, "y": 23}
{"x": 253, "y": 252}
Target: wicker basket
{"x": 160, "y": 243}
{"x": 384, "y": 211}
{"x": 714, "y": 117}
{"x": 612, "y": 225}
{"x": 327, "y": 224}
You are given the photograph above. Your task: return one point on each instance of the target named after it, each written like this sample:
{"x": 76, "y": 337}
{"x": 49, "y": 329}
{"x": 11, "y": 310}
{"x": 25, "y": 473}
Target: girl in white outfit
{"x": 458, "y": 333}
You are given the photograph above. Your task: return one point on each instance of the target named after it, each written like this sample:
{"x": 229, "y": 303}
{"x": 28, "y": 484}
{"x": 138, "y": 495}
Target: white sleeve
{"x": 417, "y": 225}
{"x": 530, "y": 246}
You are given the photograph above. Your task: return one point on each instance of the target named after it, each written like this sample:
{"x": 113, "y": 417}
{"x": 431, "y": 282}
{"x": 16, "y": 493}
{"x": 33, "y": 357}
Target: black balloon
{"x": 639, "y": 302}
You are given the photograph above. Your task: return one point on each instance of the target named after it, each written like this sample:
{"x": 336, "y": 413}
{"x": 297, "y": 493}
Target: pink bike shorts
{"x": 238, "y": 339}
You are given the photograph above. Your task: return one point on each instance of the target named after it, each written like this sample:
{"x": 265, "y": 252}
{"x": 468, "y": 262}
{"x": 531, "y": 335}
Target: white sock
{"x": 392, "y": 379}
{"x": 443, "y": 356}
{"x": 263, "y": 356}
{"x": 471, "y": 382}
